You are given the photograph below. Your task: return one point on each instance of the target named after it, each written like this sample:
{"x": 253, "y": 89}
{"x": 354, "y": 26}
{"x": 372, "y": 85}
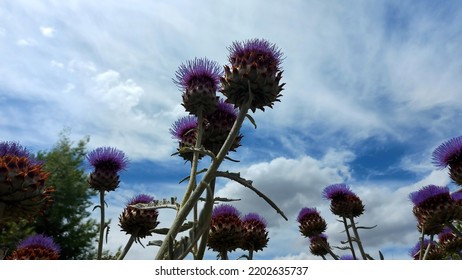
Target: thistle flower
{"x": 225, "y": 232}
{"x": 107, "y": 162}
{"x": 319, "y": 245}
{"x": 450, "y": 242}
{"x": 185, "y": 131}
{"x": 344, "y": 202}
{"x": 199, "y": 79}
{"x": 23, "y": 193}
{"x": 434, "y": 253}
{"x": 255, "y": 235}
{"x": 255, "y": 66}
{"x": 137, "y": 221}
{"x": 36, "y": 247}
{"x": 433, "y": 207}
{"x": 310, "y": 222}
{"x": 218, "y": 125}
{"x": 449, "y": 154}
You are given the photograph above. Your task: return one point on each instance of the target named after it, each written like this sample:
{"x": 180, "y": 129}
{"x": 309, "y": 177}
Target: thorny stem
{"x": 428, "y": 247}
{"x": 349, "y": 237}
{"x": 251, "y": 252}
{"x": 206, "y": 179}
{"x": 206, "y": 215}
{"x": 128, "y": 245}
{"x": 358, "y": 240}
{"x": 224, "y": 255}
{"x": 102, "y": 225}
{"x": 329, "y": 250}
{"x": 421, "y": 244}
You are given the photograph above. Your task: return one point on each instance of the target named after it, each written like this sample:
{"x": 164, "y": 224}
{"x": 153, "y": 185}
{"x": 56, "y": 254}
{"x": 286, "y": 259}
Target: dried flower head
{"x": 107, "y": 162}
{"x": 310, "y": 222}
{"x": 344, "y": 202}
{"x": 449, "y": 154}
{"x": 255, "y": 67}
{"x": 199, "y": 80}
{"x": 36, "y": 247}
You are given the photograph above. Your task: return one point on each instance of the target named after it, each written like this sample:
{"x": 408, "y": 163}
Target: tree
{"x": 67, "y": 220}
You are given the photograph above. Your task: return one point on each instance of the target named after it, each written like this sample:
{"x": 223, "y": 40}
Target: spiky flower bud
{"x": 255, "y": 66}
{"x": 344, "y": 202}
{"x": 199, "y": 79}
{"x": 107, "y": 162}
{"x": 185, "y": 131}
{"x": 310, "y": 222}
{"x": 450, "y": 242}
{"x": 137, "y": 221}
{"x": 449, "y": 154}
{"x": 36, "y": 247}
{"x": 225, "y": 232}
{"x": 23, "y": 193}
{"x": 319, "y": 245}
{"x": 433, "y": 207}
{"x": 218, "y": 125}
{"x": 255, "y": 235}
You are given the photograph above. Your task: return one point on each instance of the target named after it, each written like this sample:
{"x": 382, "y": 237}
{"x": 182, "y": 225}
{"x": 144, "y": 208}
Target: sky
{"x": 372, "y": 88}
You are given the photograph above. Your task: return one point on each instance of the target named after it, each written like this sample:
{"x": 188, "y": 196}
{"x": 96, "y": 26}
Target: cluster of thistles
{"x": 438, "y": 211}
{"x": 228, "y": 231}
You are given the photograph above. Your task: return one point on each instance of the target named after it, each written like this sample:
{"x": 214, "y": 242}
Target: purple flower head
{"x": 198, "y": 72}
{"x": 225, "y": 209}
{"x": 254, "y": 217}
{"x": 141, "y": 198}
{"x": 9, "y": 148}
{"x": 183, "y": 127}
{"x": 226, "y": 108}
{"x": 258, "y": 51}
{"x": 335, "y": 190}
{"x": 447, "y": 152}
{"x": 457, "y": 196}
{"x": 39, "y": 240}
{"x": 317, "y": 237}
{"x": 306, "y": 211}
{"x": 427, "y": 192}
{"x": 107, "y": 158}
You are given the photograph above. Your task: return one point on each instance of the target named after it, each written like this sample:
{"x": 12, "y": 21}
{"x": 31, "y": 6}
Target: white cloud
{"x": 26, "y": 42}
{"x": 47, "y": 31}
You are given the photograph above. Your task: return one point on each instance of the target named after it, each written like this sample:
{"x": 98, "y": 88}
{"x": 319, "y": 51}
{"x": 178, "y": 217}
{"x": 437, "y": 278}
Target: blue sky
{"x": 372, "y": 88}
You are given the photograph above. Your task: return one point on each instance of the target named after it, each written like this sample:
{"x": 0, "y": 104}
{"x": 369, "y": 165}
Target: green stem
{"x": 102, "y": 225}
{"x": 206, "y": 179}
{"x": 428, "y": 247}
{"x": 224, "y": 255}
{"x": 358, "y": 240}
{"x": 251, "y": 253}
{"x": 128, "y": 245}
{"x": 349, "y": 238}
{"x": 195, "y": 160}
{"x": 206, "y": 215}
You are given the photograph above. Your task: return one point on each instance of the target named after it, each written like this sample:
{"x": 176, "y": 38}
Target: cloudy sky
{"x": 372, "y": 88}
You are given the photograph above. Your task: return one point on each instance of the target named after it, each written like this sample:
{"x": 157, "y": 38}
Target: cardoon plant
{"x": 137, "y": 222}
{"x": 251, "y": 81}
{"x": 36, "y": 247}
{"x": 107, "y": 163}
{"x": 23, "y": 193}
{"x": 255, "y": 234}
{"x": 449, "y": 154}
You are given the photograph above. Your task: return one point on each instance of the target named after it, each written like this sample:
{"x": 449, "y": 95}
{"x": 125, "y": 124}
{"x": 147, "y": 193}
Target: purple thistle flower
{"x": 225, "y": 209}
{"x": 141, "y": 198}
{"x": 420, "y": 196}
{"x": 263, "y": 53}
{"x": 198, "y": 71}
{"x": 306, "y": 211}
{"x": 9, "y": 148}
{"x": 227, "y": 108}
{"x": 183, "y": 127}
{"x": 457, "y": 196}
{"x": 332, "y": 191}
{"x": 107, "y": 158}
{"x": 254, "y": 217}
{"x": 39, "y": 241}
{"x": 447, "y": 152}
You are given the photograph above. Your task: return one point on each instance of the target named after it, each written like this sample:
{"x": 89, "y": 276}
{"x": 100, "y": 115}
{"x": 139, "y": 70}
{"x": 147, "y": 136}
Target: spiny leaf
{"x": 251, "y": 119}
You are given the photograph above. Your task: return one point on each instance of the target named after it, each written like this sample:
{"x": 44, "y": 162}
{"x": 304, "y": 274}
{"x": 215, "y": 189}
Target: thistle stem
{"x": 224, "y": 255}
{"x": 128, "y": 245}
{"x": 251, "y": 252}
{"x": 357, "y": 239}
{"x": 349, "y": 238}
{"x": 454, "y": 229}
{"x": 206, "y": 179}
{"x": 428, "y": 247}
{"x": 102, "y": 226}
{"x": 206, "y": 215}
